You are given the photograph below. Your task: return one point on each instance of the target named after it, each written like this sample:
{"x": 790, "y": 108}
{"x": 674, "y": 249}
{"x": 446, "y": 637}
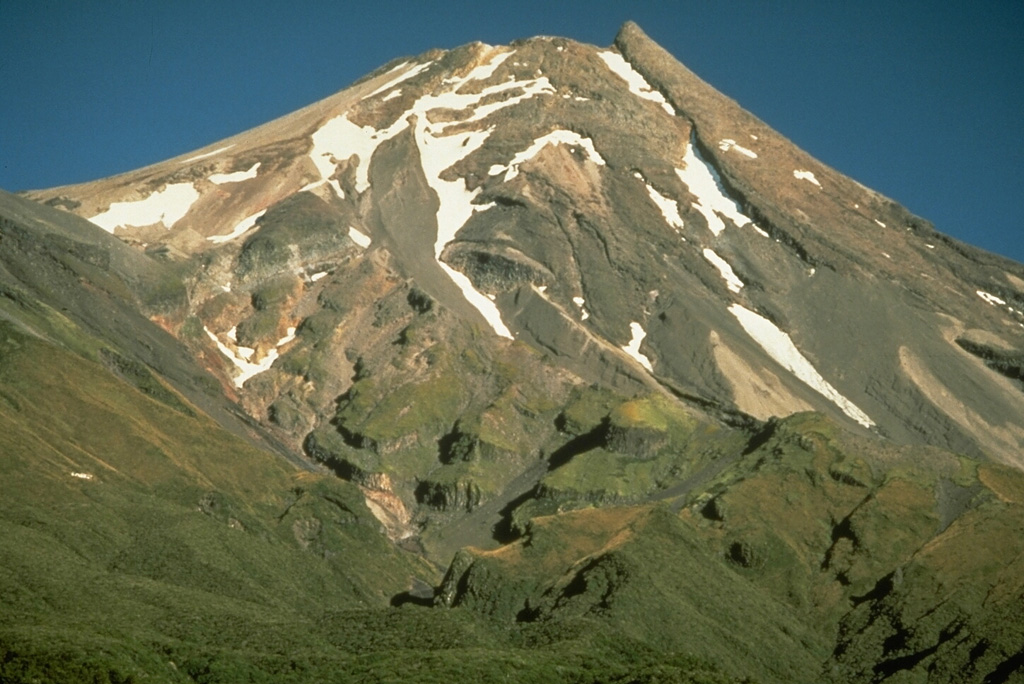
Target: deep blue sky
{"x": 920, "y": 100}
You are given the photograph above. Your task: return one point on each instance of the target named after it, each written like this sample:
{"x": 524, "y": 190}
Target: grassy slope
{"x": 188, "y": 555}
{"x": 180, "y": 533}
{"x": 140, "y": 540}
{"x": 811, "y": 556}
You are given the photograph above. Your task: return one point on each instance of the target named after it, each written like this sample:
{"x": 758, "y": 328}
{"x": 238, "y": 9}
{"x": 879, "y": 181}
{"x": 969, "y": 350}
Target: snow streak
{"x": 712, "y": 201}
{"x": 638, "y": 85}
{"x": 556, "y": 137}
{"x": 243, "y": 227}
{"x": 633, "y": 348}
{"x": 728, "y": 275}
{"x": 727, "y": 144}
{"x": 780, "y": 347}
{"x": 669, "y": 207}
{"x": 807, "y": 176}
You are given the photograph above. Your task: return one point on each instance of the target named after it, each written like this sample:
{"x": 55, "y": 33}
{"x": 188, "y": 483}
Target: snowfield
{"x": 166, "y": 206}
{"x": 339, "y": 138}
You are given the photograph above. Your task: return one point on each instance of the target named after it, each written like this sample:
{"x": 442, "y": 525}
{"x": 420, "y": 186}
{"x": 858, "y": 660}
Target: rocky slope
{"x": 494, "y": 288}
{"x": 605, "y": 207}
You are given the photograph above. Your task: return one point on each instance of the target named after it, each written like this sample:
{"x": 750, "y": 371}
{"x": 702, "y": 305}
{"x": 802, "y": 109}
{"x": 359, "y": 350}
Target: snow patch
{"x": 82, "y": 476}
{"x": 780, "y": 347}
{"x": 579, "y": 302}
{"x": 358, "y": 237}
{"x": 991, "y": 298}
{"x": 669, "y": 208}
{"x": 712, "y": 201}
{"x": 880, "y": 223}
{"x": 727, "y": 144}
{"x": 728, "y": 275}
{"x": 236, "y": 177}
{"x": 638, "y": 85}
{"x": 317, "y": 276}
{"x": 243, "y": 227}
{"x": 240, "y": 355}
{"x": 339, "y": 139}
{"x": 165, "y": 206}
{"x": 633, "y": 348}
{"x": 288, "y": 337}
{"x": 807, "y": 176}
{"x": 392, "y": 95}
{"x": 556, "y": 137}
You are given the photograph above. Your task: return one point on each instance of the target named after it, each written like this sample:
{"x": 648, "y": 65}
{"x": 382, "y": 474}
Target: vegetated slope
{"x": 143, "y": 541}
{"x": 812, "y": 556}
{"x": 542, "y": 300}
{"x": 134, "y": 524}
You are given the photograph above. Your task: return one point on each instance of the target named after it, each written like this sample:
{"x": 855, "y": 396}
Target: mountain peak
{"x": 606, "y": 206}
{"x": 561, "y": 318}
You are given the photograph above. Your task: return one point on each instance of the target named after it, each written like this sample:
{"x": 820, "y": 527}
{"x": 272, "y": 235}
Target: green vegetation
{"x": 628, "y": 538}
{"x": 141, "y": 542}
{"x": 626, "y": 452}
{"x": 261, "y": 327}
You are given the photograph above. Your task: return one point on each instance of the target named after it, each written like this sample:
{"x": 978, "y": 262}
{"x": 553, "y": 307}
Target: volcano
{"x": 554, "y": 349}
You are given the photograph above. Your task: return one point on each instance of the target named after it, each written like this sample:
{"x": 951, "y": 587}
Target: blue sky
{"x": 920, "y": 100}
